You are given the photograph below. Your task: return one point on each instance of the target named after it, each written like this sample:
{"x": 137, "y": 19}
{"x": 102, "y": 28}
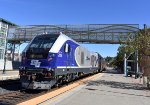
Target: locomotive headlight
{"x": 33, "y": 77}
{"x": 49, "y": 74}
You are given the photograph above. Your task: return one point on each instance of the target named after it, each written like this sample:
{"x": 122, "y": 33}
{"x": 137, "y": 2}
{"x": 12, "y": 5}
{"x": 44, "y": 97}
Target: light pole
{"x": 125, "y": 65}
{"x": 5, "y": 50}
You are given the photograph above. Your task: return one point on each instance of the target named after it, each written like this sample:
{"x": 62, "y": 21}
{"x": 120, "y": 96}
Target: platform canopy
{"x": 89, "y": 33}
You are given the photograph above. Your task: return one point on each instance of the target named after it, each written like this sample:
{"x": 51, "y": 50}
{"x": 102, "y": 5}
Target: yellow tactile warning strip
{"x": 59, "y": 91}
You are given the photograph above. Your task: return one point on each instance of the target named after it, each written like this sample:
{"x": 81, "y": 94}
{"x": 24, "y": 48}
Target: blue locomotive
{"x": 51, "y": 59}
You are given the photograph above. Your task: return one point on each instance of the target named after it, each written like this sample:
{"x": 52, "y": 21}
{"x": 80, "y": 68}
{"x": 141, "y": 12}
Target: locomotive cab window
{"x": 40, "y": 46}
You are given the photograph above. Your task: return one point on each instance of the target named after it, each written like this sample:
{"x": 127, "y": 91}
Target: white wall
{"x": 8, "y": 65}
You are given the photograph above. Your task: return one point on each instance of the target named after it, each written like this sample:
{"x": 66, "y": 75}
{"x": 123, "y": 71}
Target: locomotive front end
{"x": 38, "y": 64}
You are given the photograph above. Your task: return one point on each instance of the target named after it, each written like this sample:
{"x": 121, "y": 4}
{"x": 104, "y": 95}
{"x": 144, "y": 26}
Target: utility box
{"x": 129, "y": 71}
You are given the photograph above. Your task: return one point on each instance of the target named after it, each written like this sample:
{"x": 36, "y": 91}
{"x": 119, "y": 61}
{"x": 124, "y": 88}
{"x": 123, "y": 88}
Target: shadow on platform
{"x": 120, "y": 85}
{"x": 112, "y": 71}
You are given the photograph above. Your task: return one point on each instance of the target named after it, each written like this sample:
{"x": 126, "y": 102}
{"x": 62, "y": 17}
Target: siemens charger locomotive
{"x": 51, "y": 59}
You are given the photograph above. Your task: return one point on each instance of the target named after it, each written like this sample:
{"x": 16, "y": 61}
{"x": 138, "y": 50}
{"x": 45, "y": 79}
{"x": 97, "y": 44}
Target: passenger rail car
{"x": 51, "y": 59}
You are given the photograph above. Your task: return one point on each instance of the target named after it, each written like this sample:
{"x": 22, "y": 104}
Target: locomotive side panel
{"x": 82, "y": 57}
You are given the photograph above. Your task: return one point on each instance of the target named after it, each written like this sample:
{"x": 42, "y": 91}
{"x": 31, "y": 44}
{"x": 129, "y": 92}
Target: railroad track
{"x": 16, "y": 97}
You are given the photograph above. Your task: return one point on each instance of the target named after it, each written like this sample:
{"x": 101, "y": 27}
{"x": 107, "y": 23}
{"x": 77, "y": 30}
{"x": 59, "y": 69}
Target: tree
{"x": 141, "y": 44}
{"x": 118, "y": 60}
{"x": 109, "y": 60}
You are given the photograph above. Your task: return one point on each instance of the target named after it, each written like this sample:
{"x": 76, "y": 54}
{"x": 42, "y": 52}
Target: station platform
{"x": 109, "y": 89}
{"x": 9, "y": 75}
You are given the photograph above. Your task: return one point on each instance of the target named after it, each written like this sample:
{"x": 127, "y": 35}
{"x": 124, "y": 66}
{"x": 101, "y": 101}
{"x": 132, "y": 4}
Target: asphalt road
{"x": 110, "y": 89}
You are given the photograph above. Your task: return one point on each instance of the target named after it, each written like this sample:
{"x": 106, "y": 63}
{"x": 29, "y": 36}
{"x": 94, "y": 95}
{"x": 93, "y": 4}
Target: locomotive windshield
{"x": 40, "y": 46}
{"x": 42, "y": 42}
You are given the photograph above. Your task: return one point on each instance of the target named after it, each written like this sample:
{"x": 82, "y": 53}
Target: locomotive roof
{"x": 59, "y": 43}
{"x": 48, "y": 35}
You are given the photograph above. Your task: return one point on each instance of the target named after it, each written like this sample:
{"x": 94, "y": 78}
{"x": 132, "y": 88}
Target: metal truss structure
{"x": 89, "y": 33}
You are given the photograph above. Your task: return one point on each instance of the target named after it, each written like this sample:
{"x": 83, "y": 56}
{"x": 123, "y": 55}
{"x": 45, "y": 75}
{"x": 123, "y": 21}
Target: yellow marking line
{"x": 59, "y": 91}
{"x": 53, "y": 99}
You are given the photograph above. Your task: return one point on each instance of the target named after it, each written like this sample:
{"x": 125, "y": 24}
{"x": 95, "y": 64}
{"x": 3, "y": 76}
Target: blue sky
{"x": 27, "y": 12}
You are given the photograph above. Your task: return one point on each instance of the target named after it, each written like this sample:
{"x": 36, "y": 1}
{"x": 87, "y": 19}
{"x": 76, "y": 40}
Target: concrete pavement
{"x": 110, "y": 89}
{"x": 9, "y": 75}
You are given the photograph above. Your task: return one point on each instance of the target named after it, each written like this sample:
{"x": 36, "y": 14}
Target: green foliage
{"x": 118, "y": 60}
{"x": 141, "y": 44}
{"x": 108, "y": 59}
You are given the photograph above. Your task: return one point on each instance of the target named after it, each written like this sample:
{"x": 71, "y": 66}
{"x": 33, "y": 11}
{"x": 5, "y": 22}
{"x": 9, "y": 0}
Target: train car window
{"x": 67, "y": 48}
{"x": 92, "y": 59}
{"x": 82, "y": 57}
{"x": 79, "y": 51}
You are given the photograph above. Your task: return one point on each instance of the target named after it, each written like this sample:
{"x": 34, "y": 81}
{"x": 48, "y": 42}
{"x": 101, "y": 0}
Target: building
{"x": 4, "y": 27}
